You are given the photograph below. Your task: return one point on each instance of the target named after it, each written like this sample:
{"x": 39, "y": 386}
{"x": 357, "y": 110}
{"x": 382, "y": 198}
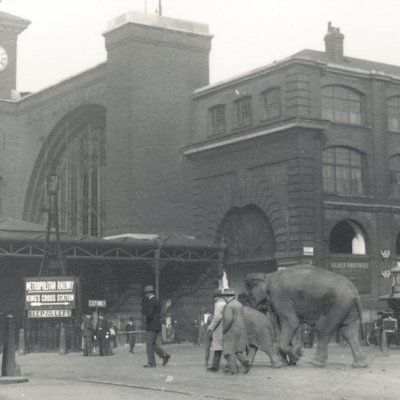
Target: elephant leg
{"x": 289, "y": 325}
{"x": 350, "y": 333}
{"x": 251, "y": 354}
{"x": 297, "y": 343}
{"x": 327, "y": 325}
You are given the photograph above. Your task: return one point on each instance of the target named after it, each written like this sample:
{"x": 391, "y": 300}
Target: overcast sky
{"x": 65, "y": 36}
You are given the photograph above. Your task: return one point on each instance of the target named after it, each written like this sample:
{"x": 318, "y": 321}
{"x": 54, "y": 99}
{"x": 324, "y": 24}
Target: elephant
{"x": 312, "y": 295}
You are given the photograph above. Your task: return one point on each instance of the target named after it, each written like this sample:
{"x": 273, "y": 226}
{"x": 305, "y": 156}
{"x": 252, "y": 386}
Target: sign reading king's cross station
{"x": 50, "y": 297}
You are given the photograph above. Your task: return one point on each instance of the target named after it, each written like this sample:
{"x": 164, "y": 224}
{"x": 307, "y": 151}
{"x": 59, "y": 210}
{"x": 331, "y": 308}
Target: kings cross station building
{"x": 165, "y": 179}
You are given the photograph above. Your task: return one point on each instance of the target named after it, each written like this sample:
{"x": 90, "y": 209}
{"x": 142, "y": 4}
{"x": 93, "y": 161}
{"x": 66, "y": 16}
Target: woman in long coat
{"x": 235, "y": 341}
{"x": 216, "y": 329}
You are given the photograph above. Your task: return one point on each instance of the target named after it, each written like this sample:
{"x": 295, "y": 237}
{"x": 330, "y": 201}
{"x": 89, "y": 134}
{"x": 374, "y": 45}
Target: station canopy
{"x": 25, "y": 239}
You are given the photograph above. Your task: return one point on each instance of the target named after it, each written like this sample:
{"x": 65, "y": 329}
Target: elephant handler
{"x": 215, "y": 328}
{"x": 235, "y": 343}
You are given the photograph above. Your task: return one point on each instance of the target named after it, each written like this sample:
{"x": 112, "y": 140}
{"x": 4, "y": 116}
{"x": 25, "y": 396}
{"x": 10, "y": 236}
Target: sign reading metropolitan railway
{"x": 50, "y": 297}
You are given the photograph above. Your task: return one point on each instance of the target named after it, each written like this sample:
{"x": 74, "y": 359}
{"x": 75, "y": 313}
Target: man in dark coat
{"x": 130, "y": 334}
{"x": 151, "y": 310}
{"x": 87, "y": 333}
{"x": 235, "y": 342}
{"x": 102, "y": 334}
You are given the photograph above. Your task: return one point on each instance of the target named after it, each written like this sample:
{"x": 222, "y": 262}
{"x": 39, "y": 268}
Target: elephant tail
{"x": 357, "y": 302}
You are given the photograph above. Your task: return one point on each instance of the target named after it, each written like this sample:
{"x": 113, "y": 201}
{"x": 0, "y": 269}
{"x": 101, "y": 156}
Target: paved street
{"x": 122, "y": 376}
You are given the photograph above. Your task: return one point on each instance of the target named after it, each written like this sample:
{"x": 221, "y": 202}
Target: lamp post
{"x": 52, "y": 250}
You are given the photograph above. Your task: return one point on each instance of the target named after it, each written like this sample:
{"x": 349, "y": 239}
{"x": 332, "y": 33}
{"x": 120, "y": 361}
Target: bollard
{"x": 21, "y": 347}
{"x": 63, "y": 346}
{"x": 9, "y": 366}
{"x": 384, "y": 344}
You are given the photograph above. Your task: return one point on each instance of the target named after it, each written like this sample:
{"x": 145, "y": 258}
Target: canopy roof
{"x": 25, "y": 239}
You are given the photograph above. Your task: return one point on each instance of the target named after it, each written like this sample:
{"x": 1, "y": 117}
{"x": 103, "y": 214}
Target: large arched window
{"x": 341, "y": 104}
{"x": 347, "y": 238}
{"x": 393, "y": 111}
{"x": 75, "y": 149}
{"x": 343, "y": 171}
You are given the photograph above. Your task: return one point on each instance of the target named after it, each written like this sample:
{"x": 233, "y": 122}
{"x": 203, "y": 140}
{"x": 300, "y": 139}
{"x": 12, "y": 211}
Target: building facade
{"x": 294, "y": 162}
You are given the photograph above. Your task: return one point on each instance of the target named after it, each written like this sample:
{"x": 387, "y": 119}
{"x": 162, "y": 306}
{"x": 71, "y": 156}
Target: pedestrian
{"x": 87, "y": 333}
{"x": 102, "y": 335}
{"x": 235, "y": 343}
{"x": 130, "y": 334}
{"x": 215, "y": 328}
{"x": 202, "y": 333}
{"x": 113, "y": 335}
{"x": 151, "y": 310}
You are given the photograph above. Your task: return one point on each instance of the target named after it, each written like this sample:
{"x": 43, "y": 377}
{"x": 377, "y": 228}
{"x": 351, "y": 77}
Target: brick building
{"x": 297, "y": 161}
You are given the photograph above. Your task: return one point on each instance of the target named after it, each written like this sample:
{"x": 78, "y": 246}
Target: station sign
{"x": 97, "y": 303}
{"x": 50, "y": 295}
{"x": 49, "y": 313}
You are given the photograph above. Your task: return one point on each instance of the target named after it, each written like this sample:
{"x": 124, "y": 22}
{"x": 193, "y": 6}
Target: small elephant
{"x": 260, "y": 335}
{"x": 306, "y": 294}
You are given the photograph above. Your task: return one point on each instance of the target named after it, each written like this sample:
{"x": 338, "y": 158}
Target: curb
{"x": 7, "y": 380}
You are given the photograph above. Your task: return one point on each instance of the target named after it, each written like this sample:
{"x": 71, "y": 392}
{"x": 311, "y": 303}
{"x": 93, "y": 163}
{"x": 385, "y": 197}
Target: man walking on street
{"x": 151, "y": 310}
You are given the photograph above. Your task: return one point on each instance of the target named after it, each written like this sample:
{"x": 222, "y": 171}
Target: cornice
{"x": 216, "y": 143}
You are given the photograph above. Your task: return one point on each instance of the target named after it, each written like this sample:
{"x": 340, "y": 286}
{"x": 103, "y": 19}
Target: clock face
{"x": 3, "y": 59}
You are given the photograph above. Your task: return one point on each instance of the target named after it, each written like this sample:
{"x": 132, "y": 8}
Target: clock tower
{"x": 10, "y": 27}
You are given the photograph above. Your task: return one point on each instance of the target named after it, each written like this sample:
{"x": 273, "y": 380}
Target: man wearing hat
{"x": 151, "y": 310}
{"x": 235, "y": 341}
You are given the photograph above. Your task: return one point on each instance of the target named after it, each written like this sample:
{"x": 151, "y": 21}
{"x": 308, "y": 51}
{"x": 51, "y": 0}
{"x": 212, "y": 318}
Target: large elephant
{"x": 321, "y": 298}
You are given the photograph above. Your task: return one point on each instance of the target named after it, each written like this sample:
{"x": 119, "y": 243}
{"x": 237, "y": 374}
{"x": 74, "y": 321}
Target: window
{"x": 393, "y": 109}
{"x": 394, "y": 170}
{"x": 271, "y": 103}
{"x": 217, "y": 119}
{"x": 343, "y": 171}
{"x": 243, "y": 112}
{"x": 347, "y": 238}
{"x": 340, "y": 104}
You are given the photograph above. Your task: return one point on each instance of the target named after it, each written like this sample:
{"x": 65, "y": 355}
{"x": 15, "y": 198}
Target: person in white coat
{"x": 216, "y": 329}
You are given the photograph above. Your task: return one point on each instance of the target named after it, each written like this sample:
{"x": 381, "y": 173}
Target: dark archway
{"x": 249, "y": 242}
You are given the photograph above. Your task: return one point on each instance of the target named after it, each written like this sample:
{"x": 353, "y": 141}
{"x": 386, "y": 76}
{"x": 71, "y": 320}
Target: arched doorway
{"x": 347, "y": 237}
{"x": 249, "y": 242}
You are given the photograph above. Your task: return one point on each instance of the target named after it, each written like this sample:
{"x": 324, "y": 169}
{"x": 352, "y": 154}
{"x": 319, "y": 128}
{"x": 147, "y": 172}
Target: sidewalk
{"x": 122, "y": 375}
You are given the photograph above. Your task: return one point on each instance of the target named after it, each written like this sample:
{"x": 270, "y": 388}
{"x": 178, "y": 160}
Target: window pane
{"x": 343, "y": 171}
{"x": 342, "y": 105}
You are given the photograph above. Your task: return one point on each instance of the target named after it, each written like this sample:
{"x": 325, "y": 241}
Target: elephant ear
{"x": 256, "y": 287}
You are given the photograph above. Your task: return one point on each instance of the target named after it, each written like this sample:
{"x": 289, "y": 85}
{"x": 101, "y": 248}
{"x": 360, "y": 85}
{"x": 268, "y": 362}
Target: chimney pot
{"x": 334, "y": 43}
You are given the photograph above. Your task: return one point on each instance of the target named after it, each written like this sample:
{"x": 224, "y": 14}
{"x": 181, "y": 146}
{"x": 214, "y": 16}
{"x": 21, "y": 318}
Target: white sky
{"x": 65, "y": 36}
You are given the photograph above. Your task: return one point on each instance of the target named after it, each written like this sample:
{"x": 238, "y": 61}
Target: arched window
{"x": 341, "y": 104}
{"x": 270, "y": 103}
{"x": 393, "y": 110}
{"x": 343, "y": 171}
{"x": 347, "y": 238}
{"x": 394, "y": 170}
{"x": 75, "y": 149}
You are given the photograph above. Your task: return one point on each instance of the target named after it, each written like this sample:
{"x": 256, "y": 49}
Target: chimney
{"x": 334, "y": 43}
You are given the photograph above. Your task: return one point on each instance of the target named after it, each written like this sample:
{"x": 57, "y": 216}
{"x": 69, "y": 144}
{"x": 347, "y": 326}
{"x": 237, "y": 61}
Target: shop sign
{"x": 50, "y": 293}
{"x": 49, "y": 313}
{"x": 97, "y": 303}
{"x": 308, "y": 251}
{"x": 357, "y": 271}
